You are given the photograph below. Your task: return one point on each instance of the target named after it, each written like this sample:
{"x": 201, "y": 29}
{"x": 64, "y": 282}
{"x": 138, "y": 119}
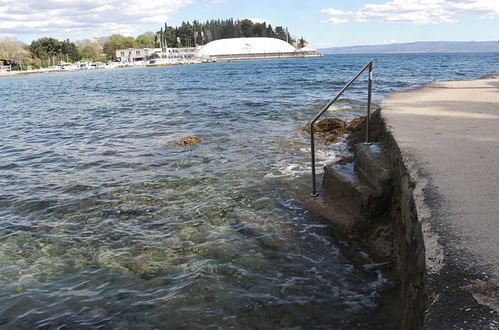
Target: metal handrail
{"x": 312, "y": 122}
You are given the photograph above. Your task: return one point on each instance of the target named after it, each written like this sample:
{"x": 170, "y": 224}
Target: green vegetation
{"x": 51, "y": 51}
{"x": 117, "y": 41}
{"x": 89, "y": 49}
{"x": 146, "y": 40}
{"x": 14, "y": 49}
{"x": 196, "y": 33}
{"x": 47, "y": 51}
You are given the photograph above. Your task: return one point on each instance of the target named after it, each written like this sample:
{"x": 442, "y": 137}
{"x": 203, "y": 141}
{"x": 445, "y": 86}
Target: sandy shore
{"x": 448, "y": 133}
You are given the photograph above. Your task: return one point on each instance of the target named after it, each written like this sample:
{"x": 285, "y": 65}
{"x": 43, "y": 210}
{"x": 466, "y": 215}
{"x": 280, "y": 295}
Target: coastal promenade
{"x": 448, "y": 134}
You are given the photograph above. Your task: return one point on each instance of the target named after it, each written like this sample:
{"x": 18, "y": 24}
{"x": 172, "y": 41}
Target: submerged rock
{"x": 330, "y": 129}
{"x": 328, "y": 126}
{"x": 188, "y": 141}
{"x": 331, "y": 125}
{"x": 357, "y": 124}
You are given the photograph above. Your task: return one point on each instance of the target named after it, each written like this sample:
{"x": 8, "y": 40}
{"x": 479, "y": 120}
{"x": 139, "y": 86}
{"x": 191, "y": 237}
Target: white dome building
{"x": 256, "y": 47}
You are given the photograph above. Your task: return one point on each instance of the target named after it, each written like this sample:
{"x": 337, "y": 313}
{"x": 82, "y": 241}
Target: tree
{"x": 15, "y": 50}
{"x": 246, "y": 27}
{"x": 281, "y": 33}
{"x": 188, "y": 35}
{"x": 302, "y": 42}
{"x": 117, "y": 41}
{"x": 260, "y": 30}
{"x": 89, "y": 49}
{"x": 169, "y": 36}
{"x": 51, "y": 51}
{"x": 48, "y": 50}
{"x": 270, "y": 32}
{"x": 69, "y": 50}
{"x": 146, "y": 40}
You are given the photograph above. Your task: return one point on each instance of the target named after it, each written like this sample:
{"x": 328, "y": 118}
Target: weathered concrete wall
{"x": 408, "y": 242}
{"x": 407, "y": 239}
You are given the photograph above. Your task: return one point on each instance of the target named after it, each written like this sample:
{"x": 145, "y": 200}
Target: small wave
{"x": 255, "y": 104}
{"x": 324, "y": 156}
{"x": 78, "y": 188}
{"x": 282, "y": 169}
{"x": 291, "y": 171}
{"x": 8, "y": 166}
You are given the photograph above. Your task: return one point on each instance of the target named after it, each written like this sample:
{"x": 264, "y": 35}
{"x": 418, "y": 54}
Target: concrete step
{"x": 372, "y": 166}
{"x": 343, "y": 188}
{"x": 342, "y": 221}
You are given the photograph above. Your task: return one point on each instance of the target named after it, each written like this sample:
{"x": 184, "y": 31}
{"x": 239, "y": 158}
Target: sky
{"x": 323, "y": 23}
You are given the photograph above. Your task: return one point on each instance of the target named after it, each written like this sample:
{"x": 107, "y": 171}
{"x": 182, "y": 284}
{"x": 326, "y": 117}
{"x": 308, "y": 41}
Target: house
{"x": 6, "y": 64}
{"x": 144, "y": 54}
{"x": 136, "y": 54}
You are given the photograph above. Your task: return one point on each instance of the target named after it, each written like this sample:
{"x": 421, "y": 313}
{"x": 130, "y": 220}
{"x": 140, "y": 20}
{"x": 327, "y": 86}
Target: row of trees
{"x": 49, "y": 51}
{"x": 196, "y": 33}
{"x": 45, "y": 52}
{"x": 12, "y": 49}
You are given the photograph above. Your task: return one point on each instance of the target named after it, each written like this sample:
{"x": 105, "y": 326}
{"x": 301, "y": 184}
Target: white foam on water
{"x": 323, "y": 156}
{"x": 341, "y": 108}
{"x": 281, "y": 169}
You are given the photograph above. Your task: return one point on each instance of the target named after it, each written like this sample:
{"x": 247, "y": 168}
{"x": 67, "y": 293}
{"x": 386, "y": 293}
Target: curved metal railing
{"x": 368, "y": 66}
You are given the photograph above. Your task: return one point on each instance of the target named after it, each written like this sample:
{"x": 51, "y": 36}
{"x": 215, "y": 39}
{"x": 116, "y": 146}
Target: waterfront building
{"x": 145, "y": 54}
{"x": 222, "y": 49}
{"x": 6, "y": 64}
{"x": 136, "y": 54}
{"x": 252, "y": 48}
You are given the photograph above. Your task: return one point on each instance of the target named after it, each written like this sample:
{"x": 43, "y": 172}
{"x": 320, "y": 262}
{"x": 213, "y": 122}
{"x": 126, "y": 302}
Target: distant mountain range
{"x": 419, "y": 47}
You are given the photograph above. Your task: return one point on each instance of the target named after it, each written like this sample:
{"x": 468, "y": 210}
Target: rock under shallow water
{"x": 331, "y": 129}
{"x": 188, "y": 141}
{"x": 328, "y": 126}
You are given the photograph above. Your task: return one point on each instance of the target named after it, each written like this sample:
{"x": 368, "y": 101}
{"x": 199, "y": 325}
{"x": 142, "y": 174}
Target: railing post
{"x": 312, "y": 122}
{"x": 369, "y": 88}
{"x": 312, "y": 150}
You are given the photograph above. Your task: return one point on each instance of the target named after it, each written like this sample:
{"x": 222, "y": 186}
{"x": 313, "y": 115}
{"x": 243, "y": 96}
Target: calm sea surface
{"x": 105, "y": 223}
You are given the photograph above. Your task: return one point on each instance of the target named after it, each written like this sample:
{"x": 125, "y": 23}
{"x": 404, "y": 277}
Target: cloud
{"x": 417, "y": 11}
{"x": 258, "y": 20}
{"x": 332, "y": 11}
{"x": 336, "y": 20}
{"x": 78, "y": 17}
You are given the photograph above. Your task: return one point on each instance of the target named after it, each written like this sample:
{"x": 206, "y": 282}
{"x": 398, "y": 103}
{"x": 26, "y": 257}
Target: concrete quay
{"x": 448, "y": 136}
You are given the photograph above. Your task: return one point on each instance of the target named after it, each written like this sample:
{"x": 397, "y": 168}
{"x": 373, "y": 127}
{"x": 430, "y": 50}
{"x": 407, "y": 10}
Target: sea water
{"x": 105, "y": 223}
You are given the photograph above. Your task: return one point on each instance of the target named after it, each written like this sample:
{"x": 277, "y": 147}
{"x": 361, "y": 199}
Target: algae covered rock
{"x": 330, "y": 129}
{"x": 328, "y": 126}
{"x": 357, "y": 124}
{"x": 331, "y": 125}
{"x": 188, "y": 141}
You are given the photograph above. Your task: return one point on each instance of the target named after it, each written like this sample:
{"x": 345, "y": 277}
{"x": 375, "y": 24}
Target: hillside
{"x": 419, "y": 47}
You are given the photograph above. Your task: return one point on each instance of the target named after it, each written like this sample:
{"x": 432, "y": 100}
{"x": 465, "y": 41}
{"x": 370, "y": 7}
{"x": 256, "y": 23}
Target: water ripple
{"x": 105, "y": 223}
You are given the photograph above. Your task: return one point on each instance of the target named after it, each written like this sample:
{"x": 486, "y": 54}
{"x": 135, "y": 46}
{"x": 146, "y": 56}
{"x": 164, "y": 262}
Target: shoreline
{"x": 451, "y": 164}
{"x": 160, "y": 64}
{"x": 439, "y": 143}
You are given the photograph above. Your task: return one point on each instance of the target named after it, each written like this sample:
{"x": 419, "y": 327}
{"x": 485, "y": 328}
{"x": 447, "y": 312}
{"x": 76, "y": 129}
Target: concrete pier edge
{"x": 461, "y": 280}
